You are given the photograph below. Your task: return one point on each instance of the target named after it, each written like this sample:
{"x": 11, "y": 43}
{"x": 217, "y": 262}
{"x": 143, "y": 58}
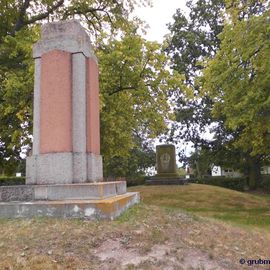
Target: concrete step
{"x": 84, "y": 191}
{"x": 109, "y": 208}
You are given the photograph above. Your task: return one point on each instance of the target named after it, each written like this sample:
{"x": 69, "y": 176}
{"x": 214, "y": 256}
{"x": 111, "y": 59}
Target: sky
{"x": 158, "y": 16}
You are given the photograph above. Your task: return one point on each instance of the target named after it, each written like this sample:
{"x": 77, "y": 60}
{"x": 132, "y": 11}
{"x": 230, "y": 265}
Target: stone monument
{"x": 64, "y": 174}
{"x": 166, "y": 167}
{"x": 66, "y": 146}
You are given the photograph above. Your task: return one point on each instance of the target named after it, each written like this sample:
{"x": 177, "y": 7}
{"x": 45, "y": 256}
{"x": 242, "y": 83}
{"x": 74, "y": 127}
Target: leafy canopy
{"x": 135, "y": 89}
{"x": 134, "y": 82}
{"x": 238, "y": 80}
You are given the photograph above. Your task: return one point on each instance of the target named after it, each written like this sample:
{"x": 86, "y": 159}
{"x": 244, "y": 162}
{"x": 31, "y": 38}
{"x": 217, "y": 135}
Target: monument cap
{"x": 67, "y": 36}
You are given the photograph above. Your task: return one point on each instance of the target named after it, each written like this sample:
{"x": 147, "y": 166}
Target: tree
{"x": 193, "y": 42}
{"x": 16, "y": 94}
{"x": 109, "y": 14}
{"x": 191, "y": 39}
{"x": 238, "y": 78}
{"x": 134, "y": 82}
{"x": 19, "y": 29}
{"x": 140, "y": 158}
{"x": 201, "y": 161}
{"x": 135, "y": 89}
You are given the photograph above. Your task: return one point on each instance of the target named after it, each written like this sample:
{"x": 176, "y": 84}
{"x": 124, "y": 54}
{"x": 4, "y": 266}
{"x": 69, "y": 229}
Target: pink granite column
{"x": 56, "y": 103}
{"x": 93, "y": 128}
{"x": 66, "y": 125}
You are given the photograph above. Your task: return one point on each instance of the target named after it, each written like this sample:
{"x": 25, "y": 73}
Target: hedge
{"x": 227, "y": 182}
{"x": 135, "y": 181}
{"x": 264, "y": 183}
{"x": 9, "y": 181}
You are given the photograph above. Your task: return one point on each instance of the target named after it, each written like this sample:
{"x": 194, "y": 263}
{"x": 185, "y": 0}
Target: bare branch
{"x": 44, "y": 15}
{"x": 144, "y": 66}
{"x": 84, "y": 12}
{"x": 20, "y": 22}
{"x": 120, "y": 89}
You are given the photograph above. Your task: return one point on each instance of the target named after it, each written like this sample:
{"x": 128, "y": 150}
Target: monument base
{"x": 109, "y": 208}
{"x": 87, "y": 191}
{"x": 159, "y": 180}
{"x": 63, "y": 168}
{"x": 103, "y": 200}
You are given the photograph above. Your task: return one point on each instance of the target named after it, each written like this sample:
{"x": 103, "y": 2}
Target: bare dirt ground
{"x": 145, "y": 237}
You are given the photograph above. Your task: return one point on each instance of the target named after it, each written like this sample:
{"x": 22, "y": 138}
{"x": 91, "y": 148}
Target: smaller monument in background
{"x": 166, "y": 167}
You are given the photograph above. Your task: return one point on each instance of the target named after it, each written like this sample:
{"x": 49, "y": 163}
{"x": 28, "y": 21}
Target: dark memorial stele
{"x": 166, "y": 167}
{"x": 165, "y": 160}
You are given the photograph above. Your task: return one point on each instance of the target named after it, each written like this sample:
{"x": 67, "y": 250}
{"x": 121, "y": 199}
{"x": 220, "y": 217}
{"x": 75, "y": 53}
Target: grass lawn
{"x": 170, "y": 229}
{"x": 211, "y": 201}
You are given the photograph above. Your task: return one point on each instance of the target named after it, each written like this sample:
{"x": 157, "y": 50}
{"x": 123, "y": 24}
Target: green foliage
{"x": 192, "y": 38}
{"x": 11, "y": 181}
{"x": 222, "y": 48}
{"x": 98, "y": 15}
{"x": 136, "y": 180}
{"x": 195, "y": 36}
{"x": 232, "y": 183}
{"x": 238, "y": 79}
{"x": 201, "y": 162}
{"x": 16, "y": 93}
{"x": 133, "y": 166}
{"x": 135, "y": 89}
{"x": 134, "y": 83}
{"x": 264, "y": 183}
{"x": 181, "y": 171}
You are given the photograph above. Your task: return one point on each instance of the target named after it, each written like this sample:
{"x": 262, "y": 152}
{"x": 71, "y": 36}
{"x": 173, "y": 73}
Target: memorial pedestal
{"x": 64, "y": 174}
{"x": 104, "y": 200}
{"x": 166, "y": 167}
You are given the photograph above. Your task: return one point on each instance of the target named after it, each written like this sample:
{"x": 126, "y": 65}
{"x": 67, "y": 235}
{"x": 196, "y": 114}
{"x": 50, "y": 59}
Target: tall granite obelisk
{"x": 66, "y": 146}
{"x": 64, "y": 172}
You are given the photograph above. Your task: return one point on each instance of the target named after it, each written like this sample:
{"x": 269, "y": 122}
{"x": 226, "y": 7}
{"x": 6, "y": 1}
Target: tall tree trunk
{"x": 199, "y": 175}
{"x": 253, "y": 172}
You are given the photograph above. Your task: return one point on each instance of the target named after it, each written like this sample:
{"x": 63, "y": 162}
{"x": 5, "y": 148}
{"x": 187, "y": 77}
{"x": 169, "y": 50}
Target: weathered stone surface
{"x": 66, "y": 147}
{"x": 17, "y": 193}
{"x": 120, "y": 188}
{"x": 87, "y": 191}
{"x": 165, "y": 159}
{"x": 166, "y": 167}
{"x": 51, "y": 168}
{"x": 94, "y": 167}
{"x": 68, "y": 36}
{"x": 94, "y": 191}
{"x": 90, "y": 209}
{"x": 64, "y": 175}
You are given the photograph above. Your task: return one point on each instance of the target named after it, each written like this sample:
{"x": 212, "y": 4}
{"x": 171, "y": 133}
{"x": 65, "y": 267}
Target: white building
{"x": 228, "y": 172}
{"x": 265, "y": 170}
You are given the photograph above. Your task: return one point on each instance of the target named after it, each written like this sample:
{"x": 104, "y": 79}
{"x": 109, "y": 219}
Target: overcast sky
{"x": 158, "y": 16}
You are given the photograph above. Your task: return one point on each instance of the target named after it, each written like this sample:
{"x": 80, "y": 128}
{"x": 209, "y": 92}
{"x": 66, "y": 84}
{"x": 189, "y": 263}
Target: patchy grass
{"x": 153, "y": 235}
{"x": 210, "y": 201}
{"x": 145, "y": 237}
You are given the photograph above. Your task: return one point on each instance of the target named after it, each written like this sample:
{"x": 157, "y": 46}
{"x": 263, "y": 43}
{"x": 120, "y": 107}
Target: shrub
{"x": 264, "y": 183}
{"x": 136, "y": 181}
{"x": 10, "y": 181}
{"x": 227, "y": 182}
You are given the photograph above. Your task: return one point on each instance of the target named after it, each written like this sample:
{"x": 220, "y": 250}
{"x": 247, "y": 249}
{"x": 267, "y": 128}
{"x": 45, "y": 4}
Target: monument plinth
{"x": 66, "y": 146}
{"x": 64, "y": 174}
{"x": 166, "y": 167}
